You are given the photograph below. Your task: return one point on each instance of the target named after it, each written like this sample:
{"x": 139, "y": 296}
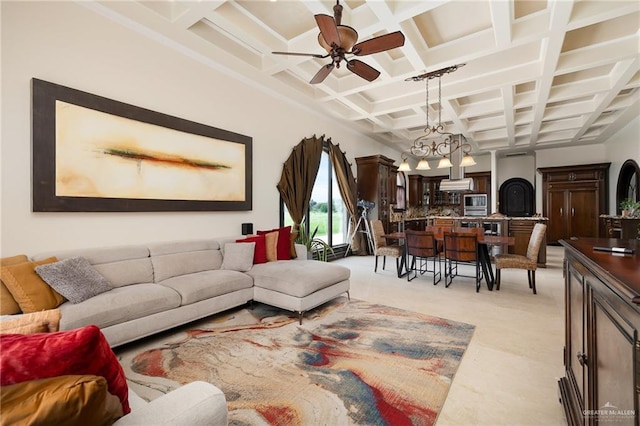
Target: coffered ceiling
{"x": 538, "y": 73}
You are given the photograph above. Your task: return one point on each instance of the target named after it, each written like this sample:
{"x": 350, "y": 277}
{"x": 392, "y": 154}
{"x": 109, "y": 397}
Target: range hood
{"x": 456, "y": 185}
{"x": 456, "y": 182}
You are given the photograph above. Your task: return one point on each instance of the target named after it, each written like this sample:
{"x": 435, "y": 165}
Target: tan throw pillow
{"x": 62, "y": 400}
{"x": 8, "y": 305}
{"x": 29, "y": 290}
{"x": 36, "y": 322}
{"x": 271, "y": 240}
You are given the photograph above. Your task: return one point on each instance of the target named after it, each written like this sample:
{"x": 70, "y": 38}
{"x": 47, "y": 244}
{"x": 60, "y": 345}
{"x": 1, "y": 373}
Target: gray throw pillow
{"x": 238, "y": 256}
{"x": 74, "y": 278}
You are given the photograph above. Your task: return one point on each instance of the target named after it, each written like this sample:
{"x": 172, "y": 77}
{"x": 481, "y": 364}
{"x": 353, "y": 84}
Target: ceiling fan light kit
{"x": 340, "y": 40}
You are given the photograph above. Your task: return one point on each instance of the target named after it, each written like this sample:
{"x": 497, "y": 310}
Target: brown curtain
{"x": 348, "y": 190}
{"x": 298, "y": 176}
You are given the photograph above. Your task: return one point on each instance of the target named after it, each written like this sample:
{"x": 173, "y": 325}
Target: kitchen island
{"x": 518, "y": 227}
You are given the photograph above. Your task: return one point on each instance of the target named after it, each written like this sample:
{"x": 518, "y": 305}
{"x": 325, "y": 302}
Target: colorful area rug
{"x": 349, "y": 363}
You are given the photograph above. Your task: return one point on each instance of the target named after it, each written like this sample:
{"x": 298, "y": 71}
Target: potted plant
{"x": 316, "y": 247}
{"x": 630, "y": 207}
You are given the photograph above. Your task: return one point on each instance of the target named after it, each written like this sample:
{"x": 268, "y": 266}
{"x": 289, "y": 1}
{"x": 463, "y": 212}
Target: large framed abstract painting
{"x": 94, "y": 154}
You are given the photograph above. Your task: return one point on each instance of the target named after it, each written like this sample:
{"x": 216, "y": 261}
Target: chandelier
{"x": 435, "y": 141}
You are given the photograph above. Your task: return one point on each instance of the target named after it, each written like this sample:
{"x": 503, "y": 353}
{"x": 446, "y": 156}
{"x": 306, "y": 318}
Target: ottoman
{"x": 298, "y": 285}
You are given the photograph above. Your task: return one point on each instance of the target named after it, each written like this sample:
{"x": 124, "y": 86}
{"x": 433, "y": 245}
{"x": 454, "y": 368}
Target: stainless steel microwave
{"x": 475, "y": 200}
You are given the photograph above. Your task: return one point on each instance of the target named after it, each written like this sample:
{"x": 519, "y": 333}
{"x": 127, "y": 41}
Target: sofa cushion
{"x": 120, "y": 265}
{"x": 74, "y": 278}
{"x": 8, "y": 305}
{"x": 36, "y": 322}
{"x": 260, "y": 250}
{"x": 70, "y": 400}
{"x": 81, "y": 351}
{"x": 184, "y": 257}
{"x": 28, "y": 289}
{"x": 299, "y": 278}
{"x": 238, "y": 257}
{"x": 284, "y": 242}
{"x": 119, "y": 305}
{"x": 207, "y": 284}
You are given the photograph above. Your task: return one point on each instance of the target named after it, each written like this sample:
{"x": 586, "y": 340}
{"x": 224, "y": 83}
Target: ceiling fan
{"x": 340, "y": 40}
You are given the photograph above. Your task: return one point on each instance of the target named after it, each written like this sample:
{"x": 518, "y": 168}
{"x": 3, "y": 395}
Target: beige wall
{"x": 67, "y": 44}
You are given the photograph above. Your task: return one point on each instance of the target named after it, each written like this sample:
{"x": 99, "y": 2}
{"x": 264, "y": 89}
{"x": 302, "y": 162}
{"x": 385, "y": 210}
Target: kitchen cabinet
{"x": 601, "y": 384}
{"x": 416, "y": 191}
{"x": 376, "y": 182}
{"x": 573, "y": 199}
{"x": 454, "y": 200}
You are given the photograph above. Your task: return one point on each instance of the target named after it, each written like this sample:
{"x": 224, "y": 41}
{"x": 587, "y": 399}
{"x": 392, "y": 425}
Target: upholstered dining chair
{"x": 460, "y": 247}
{"x": 518, "y": 261}
{"x": 422, "y": 246}
{"x": 381, "y": 248}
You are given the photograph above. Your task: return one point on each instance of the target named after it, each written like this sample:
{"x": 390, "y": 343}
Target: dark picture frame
{"x": 212, "y": 167}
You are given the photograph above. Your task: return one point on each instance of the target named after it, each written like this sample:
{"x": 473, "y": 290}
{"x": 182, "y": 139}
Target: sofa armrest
{"x": 301, "y": 252}
{"x": 196, "y": 403}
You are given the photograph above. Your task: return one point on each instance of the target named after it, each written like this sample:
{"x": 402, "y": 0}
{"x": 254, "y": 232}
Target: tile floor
{"x": 509, "y": 374}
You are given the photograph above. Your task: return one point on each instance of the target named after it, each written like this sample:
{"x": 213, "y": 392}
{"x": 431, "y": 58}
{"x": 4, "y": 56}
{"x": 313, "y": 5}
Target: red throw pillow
{"x": 260, "y": 251}
{"x": 284, "y": 241}
{"x": 76, "y": 352}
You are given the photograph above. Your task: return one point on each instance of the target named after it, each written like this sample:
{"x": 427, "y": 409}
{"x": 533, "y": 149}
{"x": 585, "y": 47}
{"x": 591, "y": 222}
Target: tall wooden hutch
{"x": 376, "y": 182}
{"x": 573, "y": 198}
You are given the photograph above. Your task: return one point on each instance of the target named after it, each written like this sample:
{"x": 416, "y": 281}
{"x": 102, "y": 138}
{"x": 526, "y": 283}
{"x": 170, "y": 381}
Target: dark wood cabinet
{"x": 416, "y": 191}
{"x": 377, "y": 182}
{"x": 602, "y": 321}
{"x": 573, "y": 199}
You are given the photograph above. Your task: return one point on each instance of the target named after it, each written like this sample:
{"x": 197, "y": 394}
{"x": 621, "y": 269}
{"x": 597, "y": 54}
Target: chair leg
{"x": 375, "y": 269}
{"x": 498, "y": 279}
{"x": 439, "y": 273}
{"x": 533, "y": 281}
{"x": 529, "y": 278}
{"x": 477, "y": 276}
{"x": 398, "y": 267}
{"x": 384, "y": 262}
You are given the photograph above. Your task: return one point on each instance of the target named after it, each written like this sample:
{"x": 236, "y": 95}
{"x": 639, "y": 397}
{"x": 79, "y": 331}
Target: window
{"x": 628, "y": 186}
{"x": 326, "y": 208}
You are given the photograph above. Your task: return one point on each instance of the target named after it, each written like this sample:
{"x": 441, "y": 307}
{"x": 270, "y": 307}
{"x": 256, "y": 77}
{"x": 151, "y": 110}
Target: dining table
{"x": 484, "y": 242}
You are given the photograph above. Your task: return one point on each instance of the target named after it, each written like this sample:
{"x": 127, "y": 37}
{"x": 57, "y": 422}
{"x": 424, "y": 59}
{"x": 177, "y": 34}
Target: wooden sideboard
{"x": 602, "y": 322}
{"x": 621, "y": 227}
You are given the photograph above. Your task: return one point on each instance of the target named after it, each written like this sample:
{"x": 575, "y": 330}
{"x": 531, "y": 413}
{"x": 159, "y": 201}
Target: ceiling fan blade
{"x": 363, "y": 70}
{"x": 328, "y": 29}
{"x": 314, "y": 55}
{"x": 379, "y": 44}
{"x": 322, "y": 74}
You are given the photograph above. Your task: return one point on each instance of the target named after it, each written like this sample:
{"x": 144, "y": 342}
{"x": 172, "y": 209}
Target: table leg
{"x": 485, "y": 261}
{"x": 403, "y": 270}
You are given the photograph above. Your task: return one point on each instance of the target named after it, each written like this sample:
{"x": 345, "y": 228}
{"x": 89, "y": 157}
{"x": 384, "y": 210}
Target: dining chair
{"x": 422, "y": 246}
{"x": 460, "y": 247}
{"x": 381, "y": 248}
{"x": 518, "y": 261}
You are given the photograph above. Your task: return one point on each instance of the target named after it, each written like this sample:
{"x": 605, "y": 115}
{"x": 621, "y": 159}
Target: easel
{"x": 367, "y": 230}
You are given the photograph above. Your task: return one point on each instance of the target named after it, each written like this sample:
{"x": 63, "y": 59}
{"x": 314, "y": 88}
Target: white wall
{"x": 623, "y": 146}
{"x": 67, "y": 44}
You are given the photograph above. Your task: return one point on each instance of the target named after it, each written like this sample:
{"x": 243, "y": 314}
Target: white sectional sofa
{"x": 162, "y": 285}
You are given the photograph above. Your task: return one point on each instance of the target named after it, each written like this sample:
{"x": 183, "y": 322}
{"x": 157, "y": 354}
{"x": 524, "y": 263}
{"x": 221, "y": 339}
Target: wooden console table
{"x": 602, "y": 346}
